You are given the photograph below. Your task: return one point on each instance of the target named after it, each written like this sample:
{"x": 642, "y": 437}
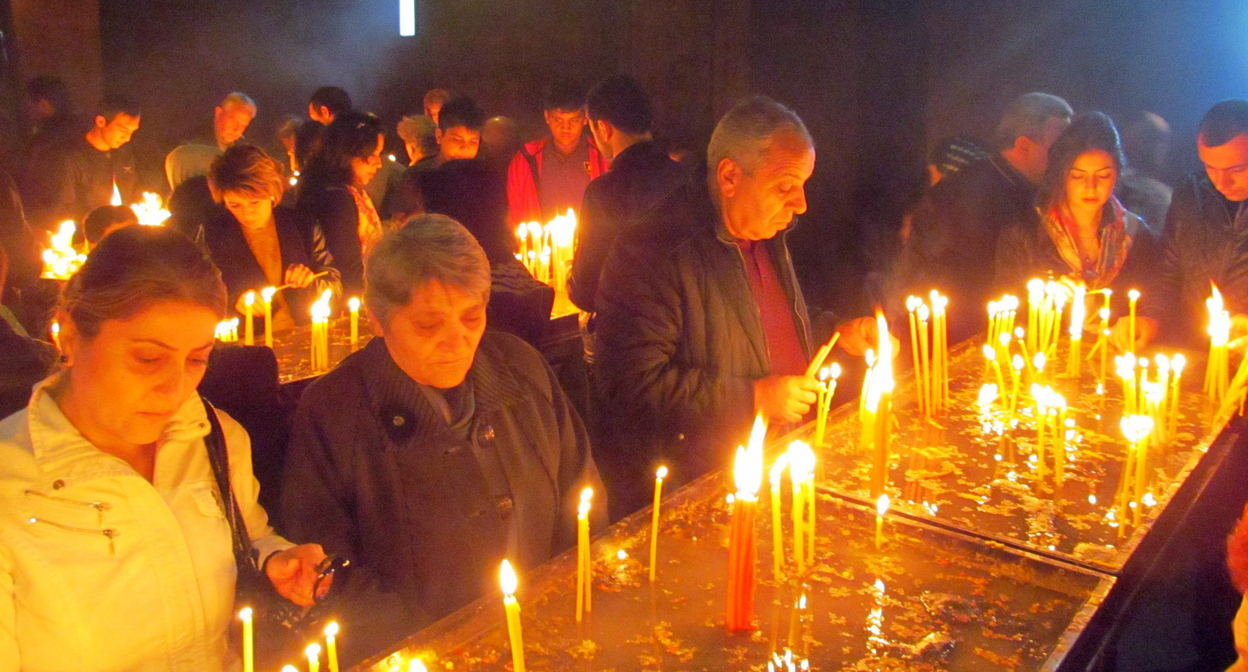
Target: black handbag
{"x": 280, "y": 625}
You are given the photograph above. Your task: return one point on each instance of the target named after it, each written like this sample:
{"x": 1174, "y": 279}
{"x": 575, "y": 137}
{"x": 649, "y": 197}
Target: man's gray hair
{"x": 420, "y": 131}
{"x": 427, "y": 247}
{"x": 239, "y": 98}
{"x": 1027, "y": 115}
{"x": 744, "y": 134}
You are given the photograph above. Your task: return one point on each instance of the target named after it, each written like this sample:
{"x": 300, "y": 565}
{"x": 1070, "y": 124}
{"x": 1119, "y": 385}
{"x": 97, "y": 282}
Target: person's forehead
{"x": 567, "y": 114}
{"x": 438, "y": 296}
{"x": 240, "y": 109}
{"x": 126, "y": 121}
{"x": 788, "y": 152}
{"x": 463, "y": 132}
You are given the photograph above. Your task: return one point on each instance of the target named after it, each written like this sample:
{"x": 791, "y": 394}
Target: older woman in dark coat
{"x": 257, "y": 244}
{"x": 439, "y": 448}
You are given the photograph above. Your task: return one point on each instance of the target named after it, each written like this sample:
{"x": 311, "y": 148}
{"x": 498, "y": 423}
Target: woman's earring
{"x": 64, "y": 359}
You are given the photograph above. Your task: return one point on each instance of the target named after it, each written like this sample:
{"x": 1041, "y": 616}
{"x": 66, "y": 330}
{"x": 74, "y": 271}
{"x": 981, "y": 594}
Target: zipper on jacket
{"x": 100, "y": 507}
{"x": 109, "y": 533}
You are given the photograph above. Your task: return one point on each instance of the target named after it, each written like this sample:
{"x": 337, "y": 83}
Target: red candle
{"x": 742, "y": 551}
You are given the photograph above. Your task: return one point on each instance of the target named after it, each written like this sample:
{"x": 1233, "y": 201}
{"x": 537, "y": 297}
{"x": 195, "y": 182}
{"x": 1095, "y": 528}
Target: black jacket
{"x": 300, "y": 241}
{"x": 1203, "y": 241}
{"x": 191, "y": 206}
{"x": 375, "y": 473}
{"x": 639, "y": 178}
{"x": 332, "y": 207}
{"x": 69, "y": 179}
{"x": 1030, "y": 253}
{"x": 18, "y": 240}
{"x": 26, "y": 361}
{"x": 680, "y": 344}
{"x": 954, "y": 240}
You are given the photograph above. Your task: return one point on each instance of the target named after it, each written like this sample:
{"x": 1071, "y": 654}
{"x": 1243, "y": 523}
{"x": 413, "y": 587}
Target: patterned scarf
{"x": 369, "y": 226}
{"x": 1116, "y": 235}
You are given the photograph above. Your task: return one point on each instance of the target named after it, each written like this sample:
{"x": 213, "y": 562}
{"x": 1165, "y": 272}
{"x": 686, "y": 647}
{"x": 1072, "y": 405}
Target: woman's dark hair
{"x": 351, "y": 135}
{"x": 134, "y": 268}
{"x": 1086, "y": 133}
{"x": 309, "y": 138}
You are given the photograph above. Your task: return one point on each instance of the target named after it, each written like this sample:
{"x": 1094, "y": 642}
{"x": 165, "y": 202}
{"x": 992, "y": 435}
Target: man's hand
{"x": 1120, "y": 333}
{"x": 293, "y": 572}
{"x": 785, "y": 398}
{"x": 860, "y": 334}
{"x": 298, "y": 276}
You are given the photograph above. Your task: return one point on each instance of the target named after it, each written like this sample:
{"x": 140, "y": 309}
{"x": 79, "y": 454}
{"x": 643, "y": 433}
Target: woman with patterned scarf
{"x": 1085, "y": 234}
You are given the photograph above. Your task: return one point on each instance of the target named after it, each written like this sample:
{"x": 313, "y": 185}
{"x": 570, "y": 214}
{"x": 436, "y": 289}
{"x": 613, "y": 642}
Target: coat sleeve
{"x": 340, "y": 224}
{"x": 592, "y": 246}
{"x": 1014, "y": 261}
{"x": 323, "y": 262}
{"x": 640, "y": 330}
{"x": 576, "y": 465}
{"x": 522, "y": 203}
{"x": 247, "y": 490}
{"x": 10, "y": 659}
{"x": 1167, "y": 286}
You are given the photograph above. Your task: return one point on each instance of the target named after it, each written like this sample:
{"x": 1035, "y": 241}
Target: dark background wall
{"x": 877, "y": 82}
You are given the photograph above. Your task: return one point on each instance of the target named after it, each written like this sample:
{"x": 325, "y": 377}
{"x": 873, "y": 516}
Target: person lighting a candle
{"x": 107, "y": 469}
{"x": 258, "y": 244}
{"x": 701, "y": 321}
{"x": 1085, "y": 234}
{"x": 436, "y": 449}
{"x": 1200, "y": 242}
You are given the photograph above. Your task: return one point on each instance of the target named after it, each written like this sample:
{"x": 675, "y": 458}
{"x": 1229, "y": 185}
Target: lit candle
{"x": 1078, "y": 310}
{"x": 1035, "y": 295}
{"x": 583, "y": 578}
{"x": 881, "y": 508}
{"x": 1017, "y": 368}
{"x": 56, "y": 334}
{"x": 266, "y": 295}
{"x": 1133, "y": 296}
{"x": 925, "y": 370}
{"x": 417, "y": 665}
{"x": 354, "y": 306}
{"x": 801, "y": 473}
{"x": 249, "y": 330}
{"x": 289, "y": 668}
{"x": 912, "y": 305}
{"x": 331, "y": 645}
{"x": 1104, "y": 344}
{"x": 742, "y": 553}
{"x": 654, "y": 524}
{"x": 777, "y": 527}
{"x": 1219, "y": 333}
{"x": 313, "y": 652}
{"x": 940, "y": 337}
{"x": 1176, "y": 368}
{"x": 507, "y": 580}
{"x": 991, "y": 355}
{"x": 1058, "y": 406}
{"x": 880, "y": 406}
{"x": 249, "y": 640}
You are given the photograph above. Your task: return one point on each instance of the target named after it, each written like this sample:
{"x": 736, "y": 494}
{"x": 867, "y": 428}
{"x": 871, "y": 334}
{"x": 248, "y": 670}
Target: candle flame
{"x": 1038, "y": 361}
{"x": 313, "y": 652}
{"x": 913, "y": 302}
{"x": 61, "y": 261}
{"x": 661, "y": 473}
{"x": 801, "y": 461}
{"x": 587, "y": 494}
{"x": 249, "y": 298}
{"x": 150, "y": 210}
{"x": 331, "y": 630}
{"x": 748, "y": 469}
{"x": 881, "y": 507}
{"x": 353, "y": 303}
{"x": 116, "y": 199}
{"x": 507, "y": 579}
{"x": 1134, "y": 294}
{"x": 1035, "y": 286}
{"x": 267, "y": 294}
{"x": 245, "y": 614}
{"x": 989, "y": 353}
{"x": 416, "y": 666}
{"x": 987, "y": 395}
{"x": 1219, "y": 318}
{"x": 1019, "y": 362}
{"x": 1078, "y": 311}
{"x": 289, "y": 668}
{"x": 582, "y": 509}
{"x": 835, "y": 371}
{"x": 1177, "y": 363}
{"x": 777, "y": 469}
{"x": 1137, "y": 427}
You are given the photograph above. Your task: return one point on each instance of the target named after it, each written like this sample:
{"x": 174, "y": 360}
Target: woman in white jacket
{"x": 115, "y": 552}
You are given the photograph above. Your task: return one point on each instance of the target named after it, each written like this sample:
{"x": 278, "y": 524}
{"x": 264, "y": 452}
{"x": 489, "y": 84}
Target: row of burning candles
{"x": 546, "y": 249}
{"x": 61, "y": 260}
{"x": 227, "y": 330}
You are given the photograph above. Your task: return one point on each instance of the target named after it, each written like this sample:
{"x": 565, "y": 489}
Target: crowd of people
{"x": 447, "y": 443}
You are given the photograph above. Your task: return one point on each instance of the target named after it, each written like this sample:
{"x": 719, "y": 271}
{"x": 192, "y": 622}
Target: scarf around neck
{"x": 1115, "y": 236}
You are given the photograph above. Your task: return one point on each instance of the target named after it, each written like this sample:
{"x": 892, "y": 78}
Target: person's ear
{"x": 71, "y": 339}
{"x": 728, "y": 175}
{"x": 100, "y": 122}
{"x": 378, "y": 329}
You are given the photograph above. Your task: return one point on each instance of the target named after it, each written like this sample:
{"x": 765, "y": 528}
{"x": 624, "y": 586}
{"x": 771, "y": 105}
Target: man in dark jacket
{"x": 956, "y": 224}
{"x": 67, "y": 180}
{"x": 703, "y": 324}
{"x": 641, "y": 175}
{"x": 1206, "y": 235}
{"x": 438, "y": 449}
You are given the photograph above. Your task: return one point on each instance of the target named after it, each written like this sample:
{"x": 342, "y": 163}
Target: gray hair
{"x": 420, "y": 131}
{"x": 1027, "y": 115}
{"x": 426, "y": 248}
{"x": 239, "y": 98}
{"x": 744, "y": 134}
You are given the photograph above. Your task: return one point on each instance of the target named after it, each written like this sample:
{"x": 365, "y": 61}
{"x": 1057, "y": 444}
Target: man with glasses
{"x": 549, "y": 175}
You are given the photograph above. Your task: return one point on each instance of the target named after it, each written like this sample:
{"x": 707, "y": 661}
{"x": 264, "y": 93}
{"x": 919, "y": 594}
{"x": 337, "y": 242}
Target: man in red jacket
{"x": 549, "y": 175}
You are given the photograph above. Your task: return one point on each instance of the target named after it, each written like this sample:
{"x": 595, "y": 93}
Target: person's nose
{"x": 799, "y": 201}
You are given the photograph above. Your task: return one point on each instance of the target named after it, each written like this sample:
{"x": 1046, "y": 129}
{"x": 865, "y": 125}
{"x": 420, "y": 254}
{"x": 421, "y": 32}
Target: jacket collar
{"x": 61, "y": 451}
{"x": 405, "y": 412}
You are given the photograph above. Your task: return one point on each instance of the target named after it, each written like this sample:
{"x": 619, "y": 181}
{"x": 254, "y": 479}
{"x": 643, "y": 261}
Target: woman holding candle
{"x": 257, "y": 244}
{"x": 332, "y": 192}
{"x": 436, "y": 449}
{"x": 112, "y": 533}
{"x": 1085, "y": 233}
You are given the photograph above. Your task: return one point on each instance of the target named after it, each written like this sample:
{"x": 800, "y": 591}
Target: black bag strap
{"x": 532, "y": 160}
{"x": 244, "y": 552}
